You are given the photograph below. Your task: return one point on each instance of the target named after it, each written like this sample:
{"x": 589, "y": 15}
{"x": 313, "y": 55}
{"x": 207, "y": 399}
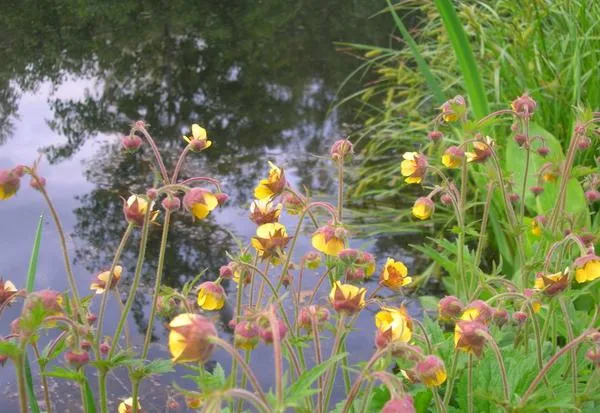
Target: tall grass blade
{"x": 89, "y": 403}
{"x": 430, "y": 79}
{"x": 31, "y": 272}
{"x": 466, "y": 59}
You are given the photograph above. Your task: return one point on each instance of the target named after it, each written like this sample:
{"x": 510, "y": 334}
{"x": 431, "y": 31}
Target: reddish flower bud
{"x": 500, "y": 317}
{"x": 131, "y": 143}
{"x": 172, "y": 404}
{"x": 341, "y": 150}
{"x": 520, "y": 139}
{"x": 583, "y": 143}
{"x": 519, "y": 317}
{"x": 91, "y": 318}
{"x": 536, "y": 190}
{"x": 140, "y": 124}
{"x": 221, "y": 198}
{"x": 77, "y": 359}
{"x": 593, "y": 355}
{"x": 50, "y": 301}
{"x": 104, "y": 348}
{"x": 10, "y": 181}
{"x": 305, "y": 318}
{"x": 404, "y": 404}
{"x": 592, "y": 196}
{"x": 226, "y": 271}
{"x": 171, "y": 203}
{"x": 85, "y": 345}
{"x": 312, "y": 259}
{"x": 435, "y": 135}
{"x": 37, "y": 183}
{"x": 446, "y": 199}
{"x": 524, "y": 105}
{"x": 266, "y": 331}
{"x": 543, "y": 151}
{"x": 152, "y": 193}
{"x": 513, "y": 197}
{"x": 449, "y": 308}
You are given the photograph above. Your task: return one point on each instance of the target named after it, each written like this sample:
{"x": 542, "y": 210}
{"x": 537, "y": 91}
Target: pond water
{"x": 259, "y": 75}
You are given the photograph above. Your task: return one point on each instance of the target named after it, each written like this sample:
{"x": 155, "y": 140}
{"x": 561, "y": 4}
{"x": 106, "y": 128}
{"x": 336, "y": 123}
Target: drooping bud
{"x": 312, "y": 259}
{"x": 520, "y": 317}
{"x": 9, "y": 183}
{"x": 266, "y": 333}
{"x": 245, "y": 335}
{"x": 446, "y": 199}
{"x": 453, "y": 109}
{"x": 341, "y": 150}
{"x": 450, "y": 308}
{"x": 152, "y": 193}
{"x": 307, "y": 314}
{"x": 329, "y": 239}
{"x": 536, "y": 190}
{"x": 221, "y": 198}
{"x": 470, "y": 336}
{"x": 500, "y": 317}
{"x": 402, "y": 404}
{"x": 104, "y": 348}
{"x": 189, "y": 338}
{"x": 131, "y": 143}
{"x": 85, "y": 345}
{"x": 583, "y": 143}
{"x": 593, "y": 355}
{"x": 211, "y": 296}
{"x": 513, "y": 197}
{"x": 226, "y": 271}
{"x": 520, "y": 139}
{"x": 592, "y": 196}
{"x": 171, "y": 204}
{"x": 431, "y": 371}
{"x": 435, "y": 135}
{"x": 477, "y": 310}
{"x": 37, "y": 183}
{"x": 199, "y": 202}
{"x": 91, "y": 318}
{"x": 294, "y": 204}
{"x": 77, "y": 359}
{"x": 543, "y": 151}
{"x": 50, "y": 301}
{"x": 524, "y": 105}
{"x": 453, "y": 157}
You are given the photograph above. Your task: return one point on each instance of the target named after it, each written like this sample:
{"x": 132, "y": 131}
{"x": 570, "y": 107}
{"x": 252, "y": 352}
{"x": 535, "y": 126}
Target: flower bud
{"x": 171, "y": 204}
{"x": 152, "y": 193}
{"x": 286, "y": 280}
{"x": 470, "y": 336}
{"x": 49, "y": 300}
{"x": 543, "y": 151}
{"x": 9, "y": 183}
{"x": 135, "y": 209}
{"x": 536, "y": 190}
{"x": 226, "y": 271}
{"x": 211, "y": 296}
{"x": 131, "y": 143}
{"x": 77, "y": 359}
{"x": 500, "y": 317}
{"x": 583, "y": 143}
{"x": 592, "y": 196}
{"x": 245, "y": 335}
{"x": 265, "y": 330}
{"x": 423, "y": 208}
{"x": 519, "y": 317}
{"x": 15, "y": 326}
{"x": 85, "y": 345}
{"x": 435, "y": 135}
{"x": 593, "y": 355}
{"x": 449, "y": 308}
{"x": 293, "y": 204}
{"x": 446, "y": 199}
{"x": 140, "y": 124}
{"x": 104, "y": 348}
{"x": 431, "y": 371}
{"x": 37, "y": 183}
{"x": 91, "y": 318}
{"x": 453, "y": 109}
{"x": 221, "y": 198}
{"x": 341, "y": 150}
{"x": 403, "y": 404}
{"x": 312, "y": 259}
{"x": 189, "y": 338}
{"x": 477, "y": 310}
{"x": 520, "y": 139}
{"x": 524, "y": 105}
{"x": 305, "y": 318}
{"x": 513, "y": 197}
{"x": 172, "y": 404}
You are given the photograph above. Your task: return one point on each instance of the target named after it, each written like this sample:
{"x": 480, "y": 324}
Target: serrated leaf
{"x": 9, "y": 349}
{"x": 64, "y": 373}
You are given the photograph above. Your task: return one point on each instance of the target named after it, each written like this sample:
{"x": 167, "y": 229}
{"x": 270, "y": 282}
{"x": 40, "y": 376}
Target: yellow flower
{"x": 536, "y": 225}
{"x": 262, "y": 211}
{"x": 245, "y": 335}
{"x": 269, "y": 239}
{"x": 7, "y": 291}
{"x": 552, "y": 284}
{"x": 431, "y": 371}
{"x": 347, "y": 298}
{"x": 135, "y": 209}
{"x": 211, "y": 296}
{"x": 198, "y": 141}
{"x": 126, "y": 406}
{"x": 329, "y": 240}
{"x": 395, "y": 323}
{"x": 423, "y": 208}
{"x": 413, "y": 167}
{"x": 470, "y": 336}
{"x": 193, "y": 401}
{"x": 273, "y": 185}
{"x": 99, "y": 285}
{"x": 9, "y": 183}
{"x": 452, "y": 157}
{"x": 587, "y": 268}
{"x": 394, "y": 275}
{"x": 453, "y": 109}
{"x": 477, "y": 310}
{"x": 200, "y": 202}
{"x": 481, "y": 150}
{"x": 189, "y": 338}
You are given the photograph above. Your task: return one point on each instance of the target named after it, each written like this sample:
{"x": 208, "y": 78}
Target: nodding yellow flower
{"x": 7, "y": 291}
{"x": 423, "y": 208}
{"x": 273, "y": 185}
{"x": 394, "y": 274}
{"x": 198, "y": 141}
{"x": 269, "y": 239}
{"x": 329, "y": 239}
{"x": 536, "y": 225}
{"x": 431, "y": 371}
{"x": 126, "y": 406}
{"x": 453, "y": 109}
{"x": 470, "y": 336}
{"x": 135, "y": 209}
{"x": 193, "y": 401}
{"x": 587, "y": 268}
{"x": 481, "y": 150}
{"x": 99, "y": 285}
{"x": 9, "y": 183}
{"x": 211, "y": 296}
{"x": 189, "y": 338}
{"x": 413, "y": 167}
{"x": 199, "y": 202}
{"x": 477, "y": 310}
{"x": 453, "y": 157}
{"x": 245, "y": 335}
{"x": 263, "y": 211}
{"x": 395, "y": 324}
{"x": 549, "y": 176}
{"x": 347, "y": 298}
{"x": 552, "y": 284}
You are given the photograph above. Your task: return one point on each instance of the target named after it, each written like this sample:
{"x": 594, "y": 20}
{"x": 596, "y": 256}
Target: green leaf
{"x": 466, "y": 60}
{"x": 9, "y": 349}
{"x": 430, "y": 79}
{"x": 64, "y": 373}
{"x": 33, "y": 260}
{"x": 302, "y": 387}
{"x": 89, "y": 403}
{"x": 158, "y": 367}
{"x": 31, "y": 398}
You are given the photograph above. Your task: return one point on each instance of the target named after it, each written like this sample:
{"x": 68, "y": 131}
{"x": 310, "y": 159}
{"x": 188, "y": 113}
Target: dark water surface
{"x": 260, "y": 76}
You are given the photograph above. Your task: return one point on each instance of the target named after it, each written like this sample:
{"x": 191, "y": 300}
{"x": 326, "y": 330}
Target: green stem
{"x": 527, "y": 161}
{"x": 340, "y": 200}
{"x": 157, "y": 283}
{"x": 135, "y": 389}
{"x": 242, "y": 394}
{"x": 451, "y": 378}
{"x": 43, "y": 378}
{"x": 20, "y": 371}
{"x": 134, "y": 285}
{"x": 330, "y": 378}
{"x": 563, "y": 308}
{"x": 102, "y": 391}
{"x": 470, "y": 384}
{"x": 500, "y": 361}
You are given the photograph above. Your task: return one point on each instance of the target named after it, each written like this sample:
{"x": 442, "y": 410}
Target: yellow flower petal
{"x": 198, "y": 132}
